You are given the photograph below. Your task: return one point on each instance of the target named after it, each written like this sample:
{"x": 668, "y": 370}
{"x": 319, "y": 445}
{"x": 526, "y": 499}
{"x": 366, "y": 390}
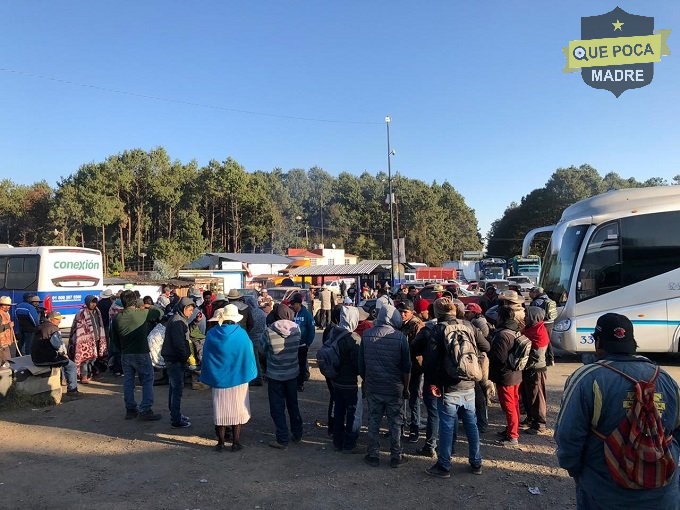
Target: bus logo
{"x": 617, "y": 51}
{"x": 81, "y": 265}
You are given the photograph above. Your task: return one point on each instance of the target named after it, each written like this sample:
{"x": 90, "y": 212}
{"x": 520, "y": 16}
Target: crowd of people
{"x": 397, "y": 363}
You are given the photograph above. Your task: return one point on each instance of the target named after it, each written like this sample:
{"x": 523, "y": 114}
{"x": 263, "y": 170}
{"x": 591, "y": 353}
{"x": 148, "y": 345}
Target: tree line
{"x": 544, "y": 206}
{"x": 139, "y": 206}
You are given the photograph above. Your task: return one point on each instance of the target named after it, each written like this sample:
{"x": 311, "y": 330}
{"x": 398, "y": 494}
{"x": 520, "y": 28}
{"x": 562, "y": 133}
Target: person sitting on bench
{"x": 48, "y": 350}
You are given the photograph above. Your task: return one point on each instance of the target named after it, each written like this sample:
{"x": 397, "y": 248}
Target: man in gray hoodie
{"x": 281, "y": 349}
{"x": 385, "y": 367}
{"x": 345, "y": 388}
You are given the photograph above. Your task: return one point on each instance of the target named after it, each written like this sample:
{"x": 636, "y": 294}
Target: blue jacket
{"x": 596, "y": 395}
{"x": 384, "y": 357}
{"x": 305, "y": 322}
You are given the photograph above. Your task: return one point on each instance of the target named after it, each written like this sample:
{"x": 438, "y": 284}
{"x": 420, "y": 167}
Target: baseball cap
{"x": 295, "y": 298}
{"x": 473, "y": 307}
{"x": 404, "y": 305}
{"x": 614, "y": 332}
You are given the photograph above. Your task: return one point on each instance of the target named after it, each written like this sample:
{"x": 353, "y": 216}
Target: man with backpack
{"x": 338, "y": 360}
{"x": 454, "y": 364}
{"x": 619, "y": 424}
{"x": 542, "y": 300}
{"x": 507, "y": 374}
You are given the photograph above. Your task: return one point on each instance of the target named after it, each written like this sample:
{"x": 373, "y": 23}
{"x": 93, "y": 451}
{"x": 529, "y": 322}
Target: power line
{"x": 183, "y": 102}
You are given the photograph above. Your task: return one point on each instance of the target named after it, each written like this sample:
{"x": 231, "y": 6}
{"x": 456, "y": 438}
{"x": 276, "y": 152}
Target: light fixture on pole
{"x": 390, "y": 199}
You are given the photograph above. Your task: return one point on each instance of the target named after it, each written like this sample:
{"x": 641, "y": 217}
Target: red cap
{"x": 421, "y": 305}
{"x": 473, "y": 307}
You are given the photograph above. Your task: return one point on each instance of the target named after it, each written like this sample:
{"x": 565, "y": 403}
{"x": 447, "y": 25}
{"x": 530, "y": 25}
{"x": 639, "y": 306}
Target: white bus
{"x": 61, "y": 275}
{"x": 616, "y": 252}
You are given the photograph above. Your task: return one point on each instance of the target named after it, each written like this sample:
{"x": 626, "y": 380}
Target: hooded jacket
{"x": 503, "y": 340}
{"x": 280, "y": 346}
{"x": 348, "y": 348}
{"x": 259, "y": 320}
{"x": 384, "y": 354}
{"x": 536, "y": 332}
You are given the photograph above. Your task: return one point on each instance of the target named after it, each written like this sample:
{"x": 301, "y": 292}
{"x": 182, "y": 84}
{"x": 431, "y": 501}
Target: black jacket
{"x": 176, "y": 343}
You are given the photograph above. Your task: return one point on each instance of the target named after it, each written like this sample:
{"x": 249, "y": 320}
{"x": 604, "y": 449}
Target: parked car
{"x": 499, "y": 284}
{"x": 524, "y": 282}
{"x": 283, "y": 294}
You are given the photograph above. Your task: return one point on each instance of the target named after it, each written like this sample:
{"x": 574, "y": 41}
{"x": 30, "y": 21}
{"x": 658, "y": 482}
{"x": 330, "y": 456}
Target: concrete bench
{"x": 31, "y": 379}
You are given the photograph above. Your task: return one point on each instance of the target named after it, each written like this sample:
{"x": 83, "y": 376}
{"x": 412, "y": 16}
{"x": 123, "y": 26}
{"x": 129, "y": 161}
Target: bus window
{"x": 3, "y": 270}
{"x": 22, "y": 273}
{"x": 651, "y": 245}
{"x": 601, "y": 267}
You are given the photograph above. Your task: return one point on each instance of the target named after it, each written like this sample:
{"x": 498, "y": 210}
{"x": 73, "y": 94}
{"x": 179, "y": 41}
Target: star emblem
{"x": 617, "y": 26}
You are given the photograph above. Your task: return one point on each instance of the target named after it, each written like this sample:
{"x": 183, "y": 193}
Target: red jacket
{"x": 538, "y": 335}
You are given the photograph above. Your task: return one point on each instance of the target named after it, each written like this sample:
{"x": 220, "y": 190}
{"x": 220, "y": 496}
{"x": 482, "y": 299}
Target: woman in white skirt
{"x": 228, "y": 366}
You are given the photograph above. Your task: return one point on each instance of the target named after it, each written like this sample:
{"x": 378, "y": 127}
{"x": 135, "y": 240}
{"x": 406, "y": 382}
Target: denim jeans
{"x": 175, "y": 372}
{"x": 137, "y": 365}
{"x": 415, "y": 388}
{"x": 432, "y": 429}
{"x": 26, "y": 343}
{"x": 379, "y": 406}
{"x": 71, "y": 375}
{"x": 282, "y": 395}
{"x": 344, "y": 436}
{"x": 303, "y": 374}
{"x": 451, "y": 406}
{"x": 481, "y": 409}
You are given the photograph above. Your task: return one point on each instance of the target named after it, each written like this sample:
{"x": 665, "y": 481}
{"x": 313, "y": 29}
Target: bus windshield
{"x": 560, "y": 258}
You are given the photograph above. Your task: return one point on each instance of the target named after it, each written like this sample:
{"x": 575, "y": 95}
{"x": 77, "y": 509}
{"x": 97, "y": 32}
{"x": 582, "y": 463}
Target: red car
{"x": 465, "y": 296}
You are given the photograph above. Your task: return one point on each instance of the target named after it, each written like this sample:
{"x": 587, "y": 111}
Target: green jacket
{"x": 130, "y": 329}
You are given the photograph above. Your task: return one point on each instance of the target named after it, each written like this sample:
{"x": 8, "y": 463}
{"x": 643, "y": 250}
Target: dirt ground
{"x": 83, "y": 454}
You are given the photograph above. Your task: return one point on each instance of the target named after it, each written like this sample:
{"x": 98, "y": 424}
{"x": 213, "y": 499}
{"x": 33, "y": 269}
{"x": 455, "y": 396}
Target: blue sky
{"x": 475, "y": 90}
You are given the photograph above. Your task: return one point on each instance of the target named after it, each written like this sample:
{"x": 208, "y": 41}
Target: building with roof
{"x": 236, "y": 270}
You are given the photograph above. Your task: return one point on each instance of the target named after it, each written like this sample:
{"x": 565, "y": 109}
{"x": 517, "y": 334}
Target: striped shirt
{"x": 281, "y": 347}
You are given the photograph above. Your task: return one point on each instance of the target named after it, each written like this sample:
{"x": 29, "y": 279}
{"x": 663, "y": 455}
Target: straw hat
{"x": 228, "y": 313}
{"x": 6, "y": 300}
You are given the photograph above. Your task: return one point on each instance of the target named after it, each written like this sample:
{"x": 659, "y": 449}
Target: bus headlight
{"x": 562, "y": 325}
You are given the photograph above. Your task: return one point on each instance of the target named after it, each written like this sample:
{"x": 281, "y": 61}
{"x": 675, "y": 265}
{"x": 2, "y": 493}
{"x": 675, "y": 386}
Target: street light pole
{"x": 389, "y": 181}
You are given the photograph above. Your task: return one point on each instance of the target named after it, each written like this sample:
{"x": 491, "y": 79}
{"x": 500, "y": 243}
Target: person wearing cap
{"x": 27, "y": 315}
{"x": 129, "y": 332}
{"x": 542, "y": 300}
{"x": 6, "y": 325}
{"x": 48, "y": 349}
{"x": 228, "y": 366}
{"x": 385, "y": 367}
{"x": 507, "y": 380}
{"x": 489, "y": 298}
{"x": 87, "y": 340}
{"x": 264, "y": 299}
{"x": 456, "y": 397}
{"x": 176, "y": 351}
{"x": 410, "y": 326}
{"x": 280, "y": 346}
{"x": 484, "y": 389}
{"x": 104, "y": 306}
{"x": 305, "y": 321}
{"x": 596, "y": 397}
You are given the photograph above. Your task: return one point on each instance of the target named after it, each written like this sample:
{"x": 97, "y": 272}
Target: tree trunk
{"x": 122, "y": 245}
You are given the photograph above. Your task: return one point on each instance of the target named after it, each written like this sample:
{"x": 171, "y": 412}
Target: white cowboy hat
{"x": 228, "y": 313}
{"x": 107, "y": 293}
{"x": 6, "y": 300}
